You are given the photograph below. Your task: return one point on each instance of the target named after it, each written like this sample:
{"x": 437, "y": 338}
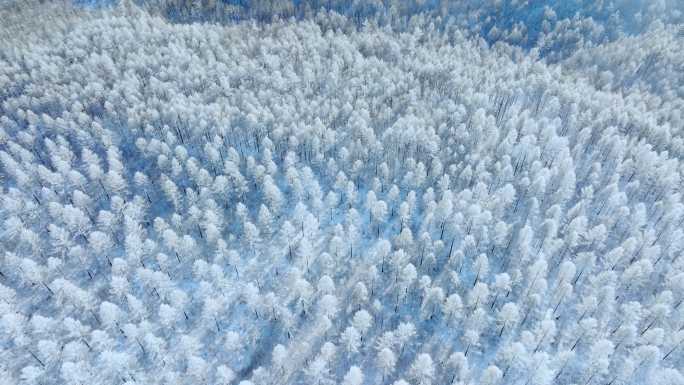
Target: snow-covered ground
{"x": 321, "y": 200}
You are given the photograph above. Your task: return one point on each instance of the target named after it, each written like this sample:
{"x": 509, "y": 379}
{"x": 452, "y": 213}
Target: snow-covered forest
{"x": 341, "y": 192}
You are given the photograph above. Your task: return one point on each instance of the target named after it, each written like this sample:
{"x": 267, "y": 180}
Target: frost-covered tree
{"x": 423, "y": 370}
{"x": 386, "y": 361}
{"x": 353, "y": 377}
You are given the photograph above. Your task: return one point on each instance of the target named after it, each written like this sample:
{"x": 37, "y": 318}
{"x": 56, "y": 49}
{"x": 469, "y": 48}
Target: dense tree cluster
{"x": 317, "y": 202}
{"x": 553, "y": 28}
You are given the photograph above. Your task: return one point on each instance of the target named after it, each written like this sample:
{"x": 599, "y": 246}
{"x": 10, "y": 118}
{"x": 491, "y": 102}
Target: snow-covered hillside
{"x": 312, "y": 202}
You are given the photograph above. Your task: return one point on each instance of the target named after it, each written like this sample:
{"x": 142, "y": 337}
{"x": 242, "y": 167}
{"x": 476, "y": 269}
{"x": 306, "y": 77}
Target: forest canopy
{"x": 343, "y": 193}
